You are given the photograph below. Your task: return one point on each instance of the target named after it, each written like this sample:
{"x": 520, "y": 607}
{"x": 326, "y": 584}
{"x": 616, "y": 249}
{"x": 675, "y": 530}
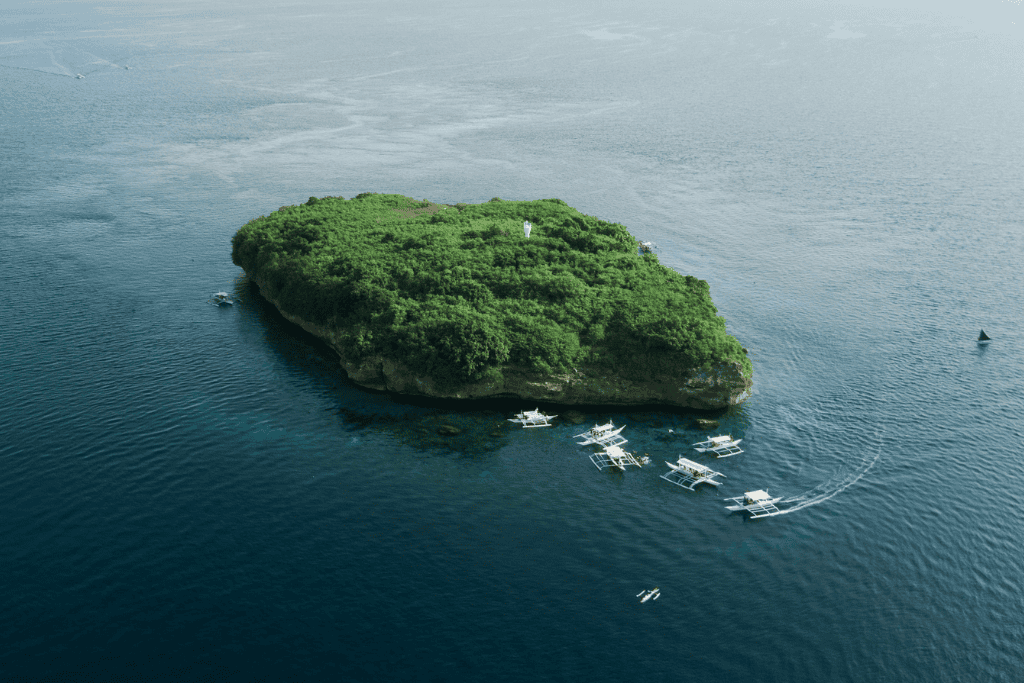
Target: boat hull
{"x": 760, "y": 509}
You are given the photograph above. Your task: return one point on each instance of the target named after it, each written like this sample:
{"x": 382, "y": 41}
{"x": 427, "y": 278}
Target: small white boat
{"x": 221, "y": 298}
{"x": 688, "y": 474}
{"x": 757, "y": 503}
{"x": 603, "y": 435}
{"x": 654, "y": 593}
{"x": 722, "y": 446}
{"x": 532, "y": 418}
{"x": 613, "y": 456}
{"x": 79, "y": 76}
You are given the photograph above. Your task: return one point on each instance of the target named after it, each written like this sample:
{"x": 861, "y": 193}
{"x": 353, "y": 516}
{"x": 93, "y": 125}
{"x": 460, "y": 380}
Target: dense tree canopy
{"x": 458, "y": 292}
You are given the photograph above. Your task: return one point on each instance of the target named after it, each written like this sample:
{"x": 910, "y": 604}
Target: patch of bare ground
{"x": 419, "y": 211}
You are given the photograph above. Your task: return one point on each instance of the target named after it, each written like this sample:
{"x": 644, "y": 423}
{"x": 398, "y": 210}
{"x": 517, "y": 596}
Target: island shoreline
{"x": 713, "y": 390}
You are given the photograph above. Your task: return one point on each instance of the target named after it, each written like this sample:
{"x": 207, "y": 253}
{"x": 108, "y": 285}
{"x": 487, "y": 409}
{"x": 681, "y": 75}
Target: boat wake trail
{"x": 832, "y": 488}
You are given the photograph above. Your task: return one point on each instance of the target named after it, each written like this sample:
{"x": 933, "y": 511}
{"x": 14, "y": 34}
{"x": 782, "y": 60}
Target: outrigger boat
{"x": 613, "y": 456}
{"x": 221, "y": 298}
{"x": 647, "y": 595}
{"x": 688, "y": 474}
{"x": 602, "y": 435}
{"x": 532, "y": 418}
{"x": 757, "y": 503}
{"x": 722, "y": 446}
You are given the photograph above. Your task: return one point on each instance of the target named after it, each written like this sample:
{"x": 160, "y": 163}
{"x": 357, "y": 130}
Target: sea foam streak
{"x": 833, "y": 487}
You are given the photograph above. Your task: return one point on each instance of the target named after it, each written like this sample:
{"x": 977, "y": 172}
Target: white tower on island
{"x": 526, "y": 228}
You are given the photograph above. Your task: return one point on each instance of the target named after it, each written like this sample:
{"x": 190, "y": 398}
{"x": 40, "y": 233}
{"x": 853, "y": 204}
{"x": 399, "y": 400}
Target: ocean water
{"x": 197, "y": 493}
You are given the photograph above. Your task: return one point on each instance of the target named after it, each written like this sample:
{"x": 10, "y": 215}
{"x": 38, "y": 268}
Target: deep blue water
{"x": 196, "y": 493}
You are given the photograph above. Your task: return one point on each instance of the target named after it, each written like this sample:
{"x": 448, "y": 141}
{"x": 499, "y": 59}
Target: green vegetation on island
{"x": 460, "y": 294}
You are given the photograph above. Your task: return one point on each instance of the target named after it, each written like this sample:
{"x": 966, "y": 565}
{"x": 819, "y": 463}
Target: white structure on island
{"x": 757, "y": 503}
{"x": 613, "y": 456}
{"x": 687, "y": 473}
{"x": 722, "y": 446}
{"x": 602, "y": 435}
{"x": 533, "y": 418}
{"x": 526, "y": 228}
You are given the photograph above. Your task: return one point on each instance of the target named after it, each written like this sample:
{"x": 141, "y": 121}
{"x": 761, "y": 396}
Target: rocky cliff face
{"x": 722, "y": 387}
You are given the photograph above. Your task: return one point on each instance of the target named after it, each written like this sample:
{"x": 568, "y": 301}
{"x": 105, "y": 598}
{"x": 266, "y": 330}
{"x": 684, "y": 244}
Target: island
{"x": 503, "y": 299}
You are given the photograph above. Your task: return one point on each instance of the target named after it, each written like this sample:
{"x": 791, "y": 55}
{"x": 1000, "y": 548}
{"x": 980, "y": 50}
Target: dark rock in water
{"x": 448, "y": 430}
{"x": 575, "y": 416}
{"x": 707, "y": 424}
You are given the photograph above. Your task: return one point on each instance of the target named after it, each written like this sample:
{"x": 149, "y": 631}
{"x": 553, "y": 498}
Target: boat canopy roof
{"x": 721, "y": 439}
{"x": 686, "y": 462}
{"x": 758, "y": 495}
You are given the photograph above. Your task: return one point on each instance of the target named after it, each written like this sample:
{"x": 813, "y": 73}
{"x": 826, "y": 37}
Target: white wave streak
{"x": 832, "y": 488}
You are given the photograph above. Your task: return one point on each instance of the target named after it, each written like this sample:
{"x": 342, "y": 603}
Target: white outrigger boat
{"x": 687, "y": 473}
{"x": 757, "y": 503}
{"x": 602, "y": 435}
{"x": 532, "y": 418}
{"x": 221, "y": 298}
{"x": 647, "y": 595}
{"x": 613, "y": 456}
{"x": 722, "y": 446}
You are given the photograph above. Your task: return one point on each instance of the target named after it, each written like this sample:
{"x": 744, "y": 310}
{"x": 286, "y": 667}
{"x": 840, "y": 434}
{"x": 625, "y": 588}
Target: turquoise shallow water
{"x": 190, "y": 491}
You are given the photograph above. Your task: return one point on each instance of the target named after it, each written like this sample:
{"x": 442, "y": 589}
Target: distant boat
{"x": 984, "y": 338}
{"x": 722, "y": 446}
{"x": 532, "y": 418}
{"x": 221, "y": 299}
{"x": 602, "y": 435}
{"x": 687, "y": 473}
{"x": 613, "y": 456}
{"x": 758, "y": 503}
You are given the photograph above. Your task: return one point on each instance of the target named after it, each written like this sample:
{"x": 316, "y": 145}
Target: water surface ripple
{"x": 191, "y": 491}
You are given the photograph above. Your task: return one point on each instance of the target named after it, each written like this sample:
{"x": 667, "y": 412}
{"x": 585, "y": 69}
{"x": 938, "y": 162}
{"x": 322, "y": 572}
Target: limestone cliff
{"x": 722, "y": 387}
